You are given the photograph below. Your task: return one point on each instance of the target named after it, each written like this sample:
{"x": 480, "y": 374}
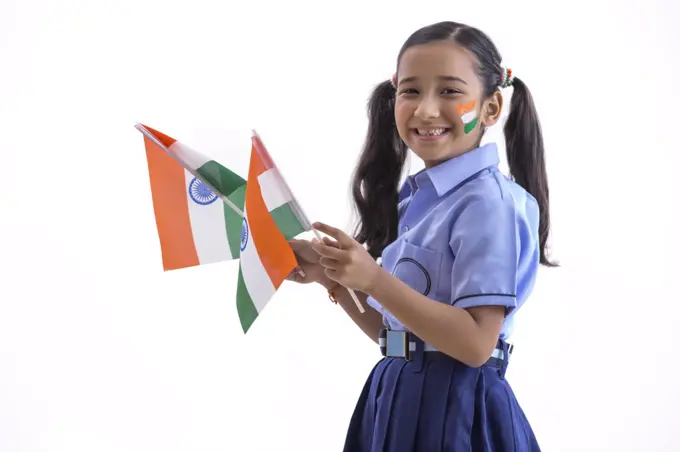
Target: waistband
{"x": 406, "y": 345}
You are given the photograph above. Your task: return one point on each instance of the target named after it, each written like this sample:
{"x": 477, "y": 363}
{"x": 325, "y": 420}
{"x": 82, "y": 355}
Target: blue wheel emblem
{"x": 201, "y": 193}
{"x": 244, "y": 234}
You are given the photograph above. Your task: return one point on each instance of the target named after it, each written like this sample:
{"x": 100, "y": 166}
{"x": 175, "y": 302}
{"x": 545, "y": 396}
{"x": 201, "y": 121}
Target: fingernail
{"x": 301, "y": 272}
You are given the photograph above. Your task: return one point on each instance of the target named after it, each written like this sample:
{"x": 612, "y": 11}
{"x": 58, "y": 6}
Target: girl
{"x": 460, "y": 245}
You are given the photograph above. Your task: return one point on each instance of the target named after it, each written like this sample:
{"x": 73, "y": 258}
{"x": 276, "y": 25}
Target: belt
{"x": 406, "y": 345}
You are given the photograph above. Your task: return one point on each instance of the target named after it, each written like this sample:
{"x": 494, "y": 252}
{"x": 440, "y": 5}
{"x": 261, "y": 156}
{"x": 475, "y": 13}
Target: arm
{"x": 468, "y": 335}
{"x": 370, "y": 322}
{"x": 486, "y": 244}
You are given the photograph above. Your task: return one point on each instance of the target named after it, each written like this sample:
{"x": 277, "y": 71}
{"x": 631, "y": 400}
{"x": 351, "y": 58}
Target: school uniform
{"x": 468, "y": 236}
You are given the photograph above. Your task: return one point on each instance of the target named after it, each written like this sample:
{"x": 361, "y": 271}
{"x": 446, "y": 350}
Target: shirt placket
{"x": 417, "y": 205}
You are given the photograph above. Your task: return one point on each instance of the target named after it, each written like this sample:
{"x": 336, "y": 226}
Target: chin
{"x": 432, "y": 156}
{"x": 428, "y": 150}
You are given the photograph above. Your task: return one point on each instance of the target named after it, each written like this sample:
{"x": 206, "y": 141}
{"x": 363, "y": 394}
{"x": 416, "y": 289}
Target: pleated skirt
{"x": 432, "y": 405}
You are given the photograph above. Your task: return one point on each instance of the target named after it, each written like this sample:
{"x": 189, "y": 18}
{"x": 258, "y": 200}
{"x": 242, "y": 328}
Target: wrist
{"x": 327, "y": 283}
{"x": 379, "y": 278}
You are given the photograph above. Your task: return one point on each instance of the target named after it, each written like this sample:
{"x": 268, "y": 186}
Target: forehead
{"x": 436, "y": 59}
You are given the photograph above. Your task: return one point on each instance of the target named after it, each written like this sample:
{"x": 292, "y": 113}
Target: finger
{"x": 297, "y": 245}
{"x": 328, "y": 251}
{"x": 329, "y": 264}
{"x": 303, "y": 251}
{"x": 342, "y": 238}
{"x": 331, "y": 274}
{"x": 331, "y": 242}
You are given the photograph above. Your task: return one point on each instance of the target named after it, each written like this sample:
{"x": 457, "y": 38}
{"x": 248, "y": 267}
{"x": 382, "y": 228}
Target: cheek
{"x": 466, "y": 115}
{"x": 402, "y": 114}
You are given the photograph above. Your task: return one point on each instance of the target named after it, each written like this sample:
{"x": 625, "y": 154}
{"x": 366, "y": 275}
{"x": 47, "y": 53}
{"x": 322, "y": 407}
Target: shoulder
{"x": 496, "y": 209}
{"x": 494, "y": 197}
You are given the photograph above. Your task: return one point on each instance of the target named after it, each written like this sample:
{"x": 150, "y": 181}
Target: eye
{"x": 451, "y": 91}
{"x": 406, "y": 91}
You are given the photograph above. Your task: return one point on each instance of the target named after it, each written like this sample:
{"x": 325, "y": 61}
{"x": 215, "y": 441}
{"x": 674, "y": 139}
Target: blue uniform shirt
{"x": 468, "y": 236}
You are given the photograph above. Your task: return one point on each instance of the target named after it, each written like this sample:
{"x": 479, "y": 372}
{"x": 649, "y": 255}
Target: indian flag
{"x": 271, "y": 217}
{"x": 468, "y": 114}
{"x": 197, "y": 203}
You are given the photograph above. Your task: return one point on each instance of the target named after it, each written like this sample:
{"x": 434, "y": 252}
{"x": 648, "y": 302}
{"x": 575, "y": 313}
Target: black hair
{"x": 380, "y": 166}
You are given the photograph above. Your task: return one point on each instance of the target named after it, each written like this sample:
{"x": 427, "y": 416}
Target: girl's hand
{"x": 310, "y": 270}
{"x": 344, "y": 260}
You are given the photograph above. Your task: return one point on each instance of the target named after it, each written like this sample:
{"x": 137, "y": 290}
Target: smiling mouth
{"x": 431, "y": 132}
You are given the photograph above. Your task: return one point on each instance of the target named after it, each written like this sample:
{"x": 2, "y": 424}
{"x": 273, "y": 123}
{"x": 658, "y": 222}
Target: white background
{"x": 102, "y": 351}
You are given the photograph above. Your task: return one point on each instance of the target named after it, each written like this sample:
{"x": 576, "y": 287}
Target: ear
{"x": 491, "y": 110}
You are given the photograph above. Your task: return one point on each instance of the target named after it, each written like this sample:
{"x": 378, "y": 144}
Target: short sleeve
{"x": 485, "y": 245}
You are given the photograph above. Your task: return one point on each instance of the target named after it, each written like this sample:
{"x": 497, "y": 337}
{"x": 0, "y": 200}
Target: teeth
{"x": 430, "y": 131}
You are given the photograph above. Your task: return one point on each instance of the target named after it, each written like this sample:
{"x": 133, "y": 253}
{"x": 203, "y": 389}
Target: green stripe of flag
{"x": 223, "y": 179}
{"x": 471, "y": 125}
{"x": 247, "y": 312}
{"x": 233, "y": 187}
{"x": 233, "y": 220}
{"x": 287, "y": 221}
{"x": 283, "y": 216}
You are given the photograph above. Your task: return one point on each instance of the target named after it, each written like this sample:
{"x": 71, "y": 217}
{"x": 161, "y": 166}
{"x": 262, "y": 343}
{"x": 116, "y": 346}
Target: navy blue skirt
{"x": 435, "y": 403}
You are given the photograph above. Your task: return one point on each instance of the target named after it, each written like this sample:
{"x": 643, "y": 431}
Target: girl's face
{"x": 439, "y": 108}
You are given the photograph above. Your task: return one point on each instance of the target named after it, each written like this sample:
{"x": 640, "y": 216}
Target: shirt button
{"x": 405, "y": 228}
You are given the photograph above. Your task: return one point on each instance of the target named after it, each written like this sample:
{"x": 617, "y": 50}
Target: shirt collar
{"x": 452, "y": 172}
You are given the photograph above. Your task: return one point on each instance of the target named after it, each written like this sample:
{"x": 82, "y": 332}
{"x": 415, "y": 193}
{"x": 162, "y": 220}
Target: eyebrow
{"x": 448, "y": 78}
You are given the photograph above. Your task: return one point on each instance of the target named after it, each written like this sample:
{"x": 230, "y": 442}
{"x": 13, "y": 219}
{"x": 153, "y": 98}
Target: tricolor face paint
{"x": 468, "y": 113}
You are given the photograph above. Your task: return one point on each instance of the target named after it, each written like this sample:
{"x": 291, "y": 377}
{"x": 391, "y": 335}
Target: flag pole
{"x": 351, "y": 292}
{"x": 224, "y": 199}
{"x": 308, "y": 224}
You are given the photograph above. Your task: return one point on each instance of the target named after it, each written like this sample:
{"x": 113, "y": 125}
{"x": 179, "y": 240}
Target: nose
{"x": 428, "y": 108}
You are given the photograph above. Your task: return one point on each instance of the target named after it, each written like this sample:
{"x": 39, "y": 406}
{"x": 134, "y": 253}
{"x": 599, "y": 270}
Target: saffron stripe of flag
{"x": 195, "y": 226}
{"x": 468, "y": 115}
{"x": 271, "y": 216}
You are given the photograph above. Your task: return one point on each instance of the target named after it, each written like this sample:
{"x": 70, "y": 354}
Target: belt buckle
{"x": 397, "y": 345}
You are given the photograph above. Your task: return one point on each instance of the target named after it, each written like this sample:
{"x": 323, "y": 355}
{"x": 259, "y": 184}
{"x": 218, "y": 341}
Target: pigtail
{"x": 526, "y": 158}
{"x": 378, "y": 172}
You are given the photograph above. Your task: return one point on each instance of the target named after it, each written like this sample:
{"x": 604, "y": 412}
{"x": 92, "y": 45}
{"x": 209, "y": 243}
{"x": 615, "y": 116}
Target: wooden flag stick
{"x": 297, "y": 208}
{"x": 224, "y": 199}
{"x": 351, "y": 292}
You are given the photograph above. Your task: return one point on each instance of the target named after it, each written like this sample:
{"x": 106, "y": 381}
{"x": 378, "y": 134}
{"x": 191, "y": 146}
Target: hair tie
{"x": 506, "y": 77}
